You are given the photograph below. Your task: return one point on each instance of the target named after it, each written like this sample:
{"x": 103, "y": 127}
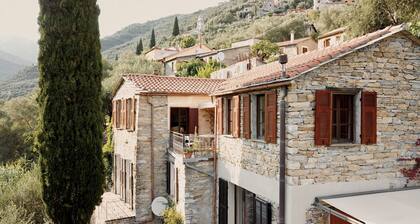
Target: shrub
{"x": 264, "y": 49}
{"x": 172, "y": 216}
{"x": 190, "y": 68}
{"x": 187, "y": 41}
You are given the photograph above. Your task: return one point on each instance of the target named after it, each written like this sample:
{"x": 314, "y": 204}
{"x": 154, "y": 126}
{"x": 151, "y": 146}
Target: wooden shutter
{"x": 114, "y": 114}
{"x": 323, "y": 117}
{"x": 133, "y": 114}
{"x": 192, "y": 120}
{"x": 123, "y": 114}
{"x": 219, "y": 116}
{"x": 247, "y": 116}
{"x": 369, "y": 107}
{"x": 271, "y": 117}
{"x": 236, "y": 116}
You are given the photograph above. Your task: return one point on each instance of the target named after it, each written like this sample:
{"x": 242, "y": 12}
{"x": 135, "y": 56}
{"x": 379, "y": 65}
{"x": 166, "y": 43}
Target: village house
{"x": 294, "y": 46}
{"x": 157, "y": 53}
{"x": 237, "y": 68}
{"x": 320, "y": 4}
{"x": 171, "y": 62}
{"x": 308, "y": 140}
{"x": 228, "y": 56}
{"x": 332, "y": 38}
{"x": 152, "y": 116}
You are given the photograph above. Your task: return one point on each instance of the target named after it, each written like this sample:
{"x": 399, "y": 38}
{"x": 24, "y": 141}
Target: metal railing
{"x": 192, "y": 145}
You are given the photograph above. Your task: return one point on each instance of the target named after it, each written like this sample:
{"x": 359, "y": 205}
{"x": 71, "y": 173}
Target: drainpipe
{"x": 152, "y": 154}
{"x": 282, "y": 172}
{"x": 215, "y": 147}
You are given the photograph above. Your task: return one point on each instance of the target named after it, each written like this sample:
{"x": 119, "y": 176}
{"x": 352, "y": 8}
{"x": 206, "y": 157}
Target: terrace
{"x": 192, "y": 146}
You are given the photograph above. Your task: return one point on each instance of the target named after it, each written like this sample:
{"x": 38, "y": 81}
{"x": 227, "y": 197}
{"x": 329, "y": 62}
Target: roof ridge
{"x": 170, "y": 77}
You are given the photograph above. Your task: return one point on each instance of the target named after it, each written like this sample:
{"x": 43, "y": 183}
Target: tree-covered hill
{"x": 24, "y": 82}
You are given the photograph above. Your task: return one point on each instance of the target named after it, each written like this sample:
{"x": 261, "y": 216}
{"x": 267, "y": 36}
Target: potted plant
{"x": 188, "y": 152}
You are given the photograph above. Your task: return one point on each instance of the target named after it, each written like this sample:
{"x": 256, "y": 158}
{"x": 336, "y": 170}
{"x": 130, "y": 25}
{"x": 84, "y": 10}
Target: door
{"x": 223, "y": 202}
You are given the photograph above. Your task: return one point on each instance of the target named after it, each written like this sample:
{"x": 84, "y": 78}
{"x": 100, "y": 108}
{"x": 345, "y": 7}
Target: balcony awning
{"x": 390, "y": 207}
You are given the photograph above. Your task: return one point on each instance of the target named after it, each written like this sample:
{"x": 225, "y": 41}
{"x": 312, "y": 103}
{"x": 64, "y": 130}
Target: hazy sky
{"x": 18, "y": 17}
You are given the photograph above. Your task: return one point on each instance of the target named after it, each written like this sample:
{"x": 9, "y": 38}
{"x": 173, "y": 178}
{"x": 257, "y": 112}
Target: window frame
{"x": 337, "y": 123}
{"x": 326, "y": 42}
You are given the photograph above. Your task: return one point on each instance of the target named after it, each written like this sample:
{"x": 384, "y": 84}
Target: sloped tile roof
{"x": 194, "y": 50}
{"x": 294, "y": 42}
{"x": 155, "y": 84}
{"x": 302, "y": 63}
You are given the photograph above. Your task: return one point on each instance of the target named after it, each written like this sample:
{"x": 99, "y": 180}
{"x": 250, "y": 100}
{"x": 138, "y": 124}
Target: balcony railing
{"x": 192, "y": 146}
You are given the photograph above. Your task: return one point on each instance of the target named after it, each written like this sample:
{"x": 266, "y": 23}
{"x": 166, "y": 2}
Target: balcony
{"x": 192, "y": 146}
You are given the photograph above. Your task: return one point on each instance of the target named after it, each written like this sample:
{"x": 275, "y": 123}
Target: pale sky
{"x": 18, "y": 18}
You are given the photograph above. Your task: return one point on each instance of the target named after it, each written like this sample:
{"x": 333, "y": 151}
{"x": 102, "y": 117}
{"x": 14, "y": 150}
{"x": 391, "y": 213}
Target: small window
{"x": 248, "y": 66}
{"x": 228, "y": 74}
{"x": 327, "y": 42}
{"x": 342, "y": 118}
{"x": 128, "y": 113}
{"x": 118, "y": 117}
{"x": 262, "y": 212}
{"x": 304, "y": 50}
{"x": 229, "y": 116}
{"x": 260, "y": 116}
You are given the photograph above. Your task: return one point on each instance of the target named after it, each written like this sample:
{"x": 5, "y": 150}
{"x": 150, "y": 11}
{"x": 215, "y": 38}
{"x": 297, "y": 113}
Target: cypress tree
{"x": 175, "y": 31}
{"x": 152, "y": 39}
{"x": 69, "y": 135}
{"x": 139, "y": 48}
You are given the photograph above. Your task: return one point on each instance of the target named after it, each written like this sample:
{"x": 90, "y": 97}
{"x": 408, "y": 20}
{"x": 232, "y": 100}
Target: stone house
{"x": 170, "y": 62}
{"x": 157, "y": 53}
{"x": 310, "y": 144}
{"x": 332, "y": 38}
{"x": 320, "y": 4}
{"x": 152, "y": 116}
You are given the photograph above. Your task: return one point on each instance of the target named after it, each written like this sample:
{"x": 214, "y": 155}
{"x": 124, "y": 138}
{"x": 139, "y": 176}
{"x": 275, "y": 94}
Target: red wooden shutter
{"x": 271, "y": 117}
{"x": 118, "y": 113}
{"x": 369, "y": 118}
{"x": 114, "y": 114}
{"x": 247, "y": 116}
{"x": 219, "y": 116}
{"x": 323, "y": 117}
{"x": 236, "y": 116}
{"x": 193, "y": 120}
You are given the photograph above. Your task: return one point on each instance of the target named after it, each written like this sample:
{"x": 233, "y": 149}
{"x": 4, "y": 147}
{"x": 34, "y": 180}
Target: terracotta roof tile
{"x": 155, "y": 84}
{"x": 302, "y": 63}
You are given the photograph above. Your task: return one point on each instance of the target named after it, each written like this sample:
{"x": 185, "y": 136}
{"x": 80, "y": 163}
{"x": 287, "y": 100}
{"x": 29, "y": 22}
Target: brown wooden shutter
{"x": 114, "y": 114}
{"x": 323, "y": 117}
{"x": 192, "y": 120}
{"x": 271, "y": 117}
{"x": 369, "y": 107}
{"x": 247, "y": 116}
{"x": 236, "y": 116}
{"x": 133, "y": 113}
{"x": 123, "y": 114}
{"x": 219, "y": 116}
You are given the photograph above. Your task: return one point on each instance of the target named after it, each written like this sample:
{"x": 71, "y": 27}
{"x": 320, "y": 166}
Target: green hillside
{"x": 24, "y": 82}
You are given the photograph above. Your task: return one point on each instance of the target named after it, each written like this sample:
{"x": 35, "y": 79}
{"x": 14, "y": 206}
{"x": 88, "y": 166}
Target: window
{"x": 262, "y": 212}
{"x": 179, "y": 120}
{"x": 118, "y": 117}
{"x": 345, "y": 116}
{"x": 260, "y": 116}
{"x": 229, "y": 116}
{"x": 249, "y": 66}
{"x": 128, "y": 111}
{"x": 342, "y": 118}
{"x": 327, "y": 42}
{"x": 304, "y": 50}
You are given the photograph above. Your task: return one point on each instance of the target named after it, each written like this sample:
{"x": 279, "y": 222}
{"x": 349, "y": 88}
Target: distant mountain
{"x": 20, "y": 47}
{"x": 10, "y": 65}
{"x": 24, "y": 82}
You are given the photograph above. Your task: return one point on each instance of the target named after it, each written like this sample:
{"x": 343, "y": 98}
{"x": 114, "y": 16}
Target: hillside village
{"x": 260, "y": 141}
{"x": 259, "y": 113}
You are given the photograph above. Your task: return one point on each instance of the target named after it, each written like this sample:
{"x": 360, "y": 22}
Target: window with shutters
{"x": 179, "y": 120}
{"x": 118, "y": 114}
{"x": 260, "y": 121}
{"x": 345, "y": 116}
{"x": 128, "y": 113}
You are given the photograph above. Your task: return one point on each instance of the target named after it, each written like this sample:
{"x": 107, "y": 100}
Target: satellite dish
{"x": 221, "y": 56}
{"x": 159, "y": 205}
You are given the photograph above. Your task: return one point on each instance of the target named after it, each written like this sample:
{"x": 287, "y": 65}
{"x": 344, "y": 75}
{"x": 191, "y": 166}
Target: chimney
{"x": 283, "y": 61}
{"x": 292, "y": 36}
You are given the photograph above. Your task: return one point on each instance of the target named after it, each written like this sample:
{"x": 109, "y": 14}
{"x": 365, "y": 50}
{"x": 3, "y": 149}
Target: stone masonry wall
{"x": 160, "y": 143}
{"x": 392, "y": 69}
{"x": 199, "y": 193}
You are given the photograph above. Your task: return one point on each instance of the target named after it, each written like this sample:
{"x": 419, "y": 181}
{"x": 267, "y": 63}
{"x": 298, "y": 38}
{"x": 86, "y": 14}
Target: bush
{"x": 172, "y": 216}
{"x": 189, "y": 68}
{"x": 20, "y": 190}
{"x": 207, "y": 69}
{"x": 264, "y": 49}
{"x": 187, "y": 41}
